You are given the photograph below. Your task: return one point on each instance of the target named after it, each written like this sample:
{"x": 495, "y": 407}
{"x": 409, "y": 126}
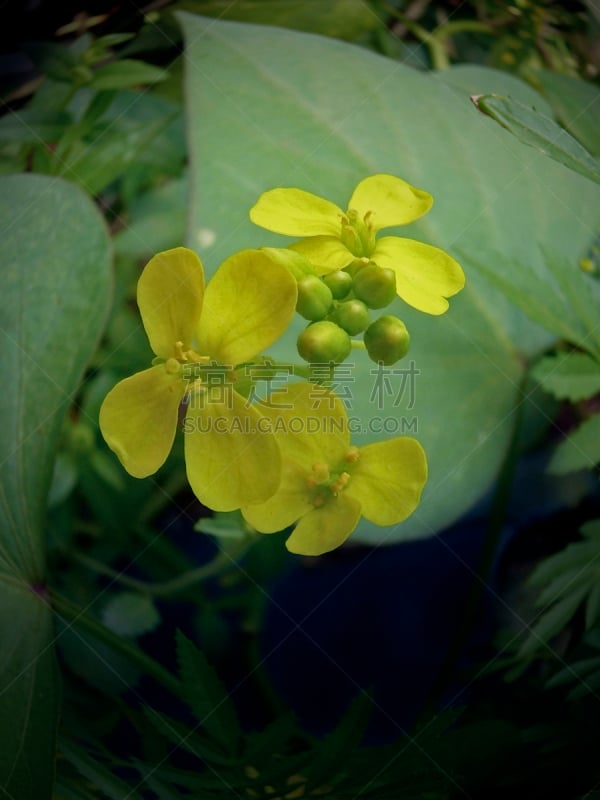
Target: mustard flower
{"x": 194, "y": 332}
{"x": 425, "y": 275}
{"x": 326, "y": 483}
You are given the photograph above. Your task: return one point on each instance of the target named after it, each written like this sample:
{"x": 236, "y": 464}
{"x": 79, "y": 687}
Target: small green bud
{"x": 387, "y": 340}
{"x": 375, "y": 286}
{"x": 339, "y": 282}
{"x": 352, "y": 316}
{"x": 314, "y": 298}
{"x": 323, "y": 342}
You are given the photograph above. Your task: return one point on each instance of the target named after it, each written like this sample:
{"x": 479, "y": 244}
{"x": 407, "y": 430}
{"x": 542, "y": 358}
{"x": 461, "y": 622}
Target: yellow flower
{"x": 194, "y": 332}
{"x": 326, "y": 483}
{"x": 425, "y": 275}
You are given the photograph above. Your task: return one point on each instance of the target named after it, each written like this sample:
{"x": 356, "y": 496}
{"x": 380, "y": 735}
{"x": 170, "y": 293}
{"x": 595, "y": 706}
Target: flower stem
{"x": 222, "y": 562}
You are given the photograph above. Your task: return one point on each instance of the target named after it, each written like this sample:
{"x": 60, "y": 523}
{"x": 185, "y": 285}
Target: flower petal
{"x": 138, "y": 419}
{"x": 388, "y": 479}
{"x": 392, "y": 201}
{"x": 295, "y": 212}
{"x": 290, "y": 502}
{"x": 310, "y": 422}
{"x": 325, "y": 528}
{"x": 425, "y": 275}
{"x": 169, "y": 295}
{"x": 230, "y": 462}
{"x": 326, "y": 253}
{"x": 249, "y": 302}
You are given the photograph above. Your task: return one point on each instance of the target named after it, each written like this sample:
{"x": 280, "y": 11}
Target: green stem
{"x": 220, "y": 564}
{"x": 79, "y": 619}
{"x": 358, "y": 344}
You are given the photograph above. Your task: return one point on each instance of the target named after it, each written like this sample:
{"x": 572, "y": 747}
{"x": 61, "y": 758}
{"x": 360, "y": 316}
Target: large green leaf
{"x": 55, "y": 268}
{"x": 272, "y": 108}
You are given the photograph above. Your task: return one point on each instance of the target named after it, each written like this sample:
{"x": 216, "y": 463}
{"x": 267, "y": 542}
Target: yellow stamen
{"x": 352, "y": 455}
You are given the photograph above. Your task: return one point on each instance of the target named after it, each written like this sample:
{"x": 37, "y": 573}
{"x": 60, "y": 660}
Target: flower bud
{"x": 314, "y": 298}
{"x": 323, "y": 342}
{"x": 387, "y": 340}
{"x": 340, "y": 283}
{"x": 375, "y": 285}
{"x": 352, "y": 316}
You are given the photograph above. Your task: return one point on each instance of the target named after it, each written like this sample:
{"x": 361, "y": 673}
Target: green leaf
{"x": 130, "y": 614}
{"x": 126, "y": 73}
{"x": 559, "y": 296}
{"x": 335, "y": 751}
{"x": 55, "y": 260}
{"x": 207, "y": 697}
{"x": 568, "y": 376}
{"x": 321, "y": 115}
{"x": 33, "y": 127}
{"x": 94, "y": 166}
{"x": 98, "y": 773}
{"x": 156, "y": 222}
{"x": 30, "y": 697}
{"x": 551, "y": 623}
{"x": 342, "y": 19}
{"x": 189, "y": 739}
{"x": 541, "y": 132}
{"x": 576, "y": 105}
{"x": 580, "y": 450}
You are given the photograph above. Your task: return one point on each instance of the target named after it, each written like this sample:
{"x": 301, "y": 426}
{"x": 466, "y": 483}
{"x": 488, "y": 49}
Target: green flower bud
{"x": 323, "y": 342}
{"x": 387, "y": 340}
{"x": 314, "y": 298}
{"x": 375, "y": 286}
{"x": 339, "y": 282}
{"x": 352, "y": 316}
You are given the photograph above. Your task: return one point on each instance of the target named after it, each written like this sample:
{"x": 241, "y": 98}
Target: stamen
{"x": 352, "y": 455}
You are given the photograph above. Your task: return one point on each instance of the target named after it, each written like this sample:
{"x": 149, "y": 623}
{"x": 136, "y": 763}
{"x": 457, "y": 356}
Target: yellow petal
{"x": 425, "y": 275}
{"x": 326, "y": 253}
{"x": 310, "y": 422}
{"x": 388, "y": 479}
{"x": 138, "y": 419}
{"x": 230, "y": 461}
{"x": 249, "y": 303}
{"x": 325, "y": 528}
{"x": 295, "y": 212}
{"x": 290, "y": 502}
{"x": 169, "y": 295}
{"x": 392, "y": 201}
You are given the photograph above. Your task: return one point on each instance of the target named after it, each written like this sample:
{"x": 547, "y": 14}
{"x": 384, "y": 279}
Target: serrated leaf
{"x": 130, "y": 614}
{"x": 573, "y": 557}
{"x": 576, "y": 104}
{"x": 580, "y": 450}
{"x": 541, "y": 132}
{"x": 551, "y": 623}
{"x": 56, "y": 281}
{"x": 561, "y": 297}
{"x": 186, "y": 738}
{"x": 126, "y": 73}
{"x": 335, "y": 751}
{"x": 99, "y": 774}
{"x": 207, "y": 697}
{"x": 568, "y": 376}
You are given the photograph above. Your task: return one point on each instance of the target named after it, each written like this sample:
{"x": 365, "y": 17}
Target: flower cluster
{"x": 279, "y": 474}
{"x": 360, "y": 271}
